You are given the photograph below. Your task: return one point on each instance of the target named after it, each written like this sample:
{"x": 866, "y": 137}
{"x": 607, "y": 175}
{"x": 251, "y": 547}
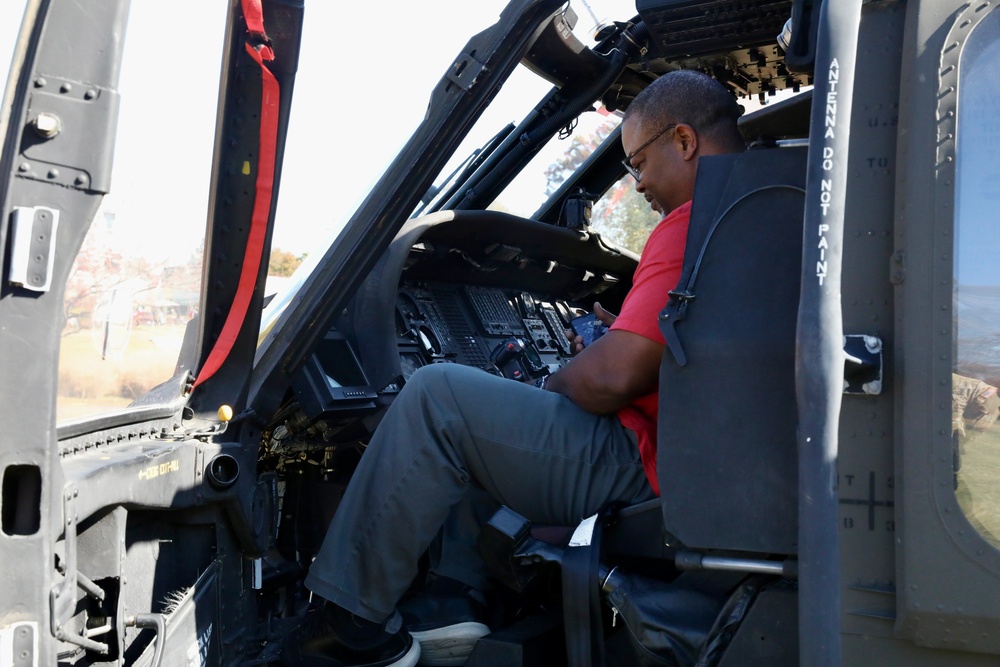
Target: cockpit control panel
{"x": 508, "y": 332}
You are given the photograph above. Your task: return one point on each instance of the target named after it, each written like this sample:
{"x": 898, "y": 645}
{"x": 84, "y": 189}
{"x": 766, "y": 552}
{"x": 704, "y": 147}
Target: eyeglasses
{"x": 627, "y": 162}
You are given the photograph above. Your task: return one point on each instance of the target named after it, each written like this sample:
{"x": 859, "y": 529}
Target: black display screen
{"x": 333, "y": 379}
{"x": 341, "y": 367}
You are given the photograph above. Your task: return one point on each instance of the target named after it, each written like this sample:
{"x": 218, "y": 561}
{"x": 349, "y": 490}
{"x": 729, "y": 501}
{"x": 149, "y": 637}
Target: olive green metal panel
{"x": 948, "y": 574}
{"x": 865, "y": 469}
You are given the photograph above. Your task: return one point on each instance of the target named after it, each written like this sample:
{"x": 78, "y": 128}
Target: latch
{"x": 19, "y": 645}
{"x": 205, "y": 429}
{"x": 33, "y": 246}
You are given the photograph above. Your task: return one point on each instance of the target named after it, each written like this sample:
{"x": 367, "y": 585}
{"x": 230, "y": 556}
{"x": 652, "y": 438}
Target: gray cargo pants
{"x": 452, "y": 431}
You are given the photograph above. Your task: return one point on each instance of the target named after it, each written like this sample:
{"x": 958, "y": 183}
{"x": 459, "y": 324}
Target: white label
{"x": 197, "y": 653}
{"x": 584, "y": 533}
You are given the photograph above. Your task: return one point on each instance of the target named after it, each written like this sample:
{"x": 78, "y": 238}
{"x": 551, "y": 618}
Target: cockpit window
{"x": 621, "y": 215}
{"x": 624, "y": 217}
{"x": 554, "y": 163}
{"x": 136, "y": 283}
{"x": 976, "y": 378}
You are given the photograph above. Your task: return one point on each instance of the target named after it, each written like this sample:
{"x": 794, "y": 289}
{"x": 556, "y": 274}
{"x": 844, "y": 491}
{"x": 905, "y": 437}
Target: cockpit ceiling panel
{"x": 685, "y": 28}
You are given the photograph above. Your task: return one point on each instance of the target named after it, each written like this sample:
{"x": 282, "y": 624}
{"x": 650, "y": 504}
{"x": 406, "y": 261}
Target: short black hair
{"x": 688, "y": 96}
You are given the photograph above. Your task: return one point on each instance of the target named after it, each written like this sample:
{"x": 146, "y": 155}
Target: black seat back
{"x": 727, "y": 461}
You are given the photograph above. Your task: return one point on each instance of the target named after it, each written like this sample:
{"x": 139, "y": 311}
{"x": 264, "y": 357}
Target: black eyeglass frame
{"x": 627, "y": 162}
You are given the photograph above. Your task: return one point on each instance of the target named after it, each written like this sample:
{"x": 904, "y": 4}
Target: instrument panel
{"x": 508, "y": 332}
{"x": 511, "y": 333}
{"x": 483, "y": 289}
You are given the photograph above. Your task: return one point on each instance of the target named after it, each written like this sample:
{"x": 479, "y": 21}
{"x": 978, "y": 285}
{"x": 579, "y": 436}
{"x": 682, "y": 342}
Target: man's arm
{"x": 623, "y": 365}
{"x": 612, "y": 371}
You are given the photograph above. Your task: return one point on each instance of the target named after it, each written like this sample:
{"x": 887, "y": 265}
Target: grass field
{"x": 979, "y": 482}
{"x": 138, "y": 360}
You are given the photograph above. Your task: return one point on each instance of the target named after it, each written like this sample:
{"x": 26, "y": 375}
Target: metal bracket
{"x": 73, "y": 139}
{"x": 62, "y": 598}
{"x": 465, "y": 71}
{"x": 33, "y": 245}
{"x": 862, "y": 365}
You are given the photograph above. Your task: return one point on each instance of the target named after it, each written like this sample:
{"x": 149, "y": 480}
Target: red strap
{"x": 253, "y": 13}
{"x": 270, "y": 97}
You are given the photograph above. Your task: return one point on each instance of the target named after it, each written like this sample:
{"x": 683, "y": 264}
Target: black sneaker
{"x": 339, "y": 639}
{"x": 446, "y": 620}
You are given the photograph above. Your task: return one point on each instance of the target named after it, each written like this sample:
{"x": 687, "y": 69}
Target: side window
{"x": 976, "y": 353}
{"x": 623, "y": 216}
{"x": 136, "y": 283}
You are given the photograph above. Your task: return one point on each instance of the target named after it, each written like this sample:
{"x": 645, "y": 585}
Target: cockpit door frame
{"x": 62, "y": 102}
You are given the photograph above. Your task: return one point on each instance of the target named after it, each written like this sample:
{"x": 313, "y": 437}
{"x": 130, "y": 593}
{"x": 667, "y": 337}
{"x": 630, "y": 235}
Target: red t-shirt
{"x": 658, "y": 272}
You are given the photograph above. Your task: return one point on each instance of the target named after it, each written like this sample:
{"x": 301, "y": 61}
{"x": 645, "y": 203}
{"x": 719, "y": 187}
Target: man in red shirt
{"x": 680, "y": 117}
{"x": 458, "y": 438}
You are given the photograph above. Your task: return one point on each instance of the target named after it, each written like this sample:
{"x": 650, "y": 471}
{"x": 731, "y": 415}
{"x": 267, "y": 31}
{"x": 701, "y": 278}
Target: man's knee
{"x": 436, "y": 377}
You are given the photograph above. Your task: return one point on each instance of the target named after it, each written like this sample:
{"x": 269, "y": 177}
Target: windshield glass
{"x": 136, "y": 282}
{"x": 621, "y": 215}
{"x": 367, "y": 144}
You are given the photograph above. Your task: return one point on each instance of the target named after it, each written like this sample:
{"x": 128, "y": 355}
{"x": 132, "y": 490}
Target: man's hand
{"x": 604, "y": 316}
{"x": 613, "y": 371}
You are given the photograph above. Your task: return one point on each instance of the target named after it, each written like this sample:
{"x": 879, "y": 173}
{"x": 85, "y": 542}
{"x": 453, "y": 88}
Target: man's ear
{"x": 687, "y": 139}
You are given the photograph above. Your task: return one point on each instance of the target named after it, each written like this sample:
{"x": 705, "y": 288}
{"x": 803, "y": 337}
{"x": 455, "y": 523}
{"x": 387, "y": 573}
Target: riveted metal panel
{"x": 948, "y": 575}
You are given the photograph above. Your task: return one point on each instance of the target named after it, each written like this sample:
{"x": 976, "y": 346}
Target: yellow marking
{"x": 246, "y": 167}
{"x": 153, "y": 471}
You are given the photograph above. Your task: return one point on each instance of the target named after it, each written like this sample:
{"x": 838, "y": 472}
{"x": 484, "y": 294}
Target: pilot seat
{"x": 705, "y": 574}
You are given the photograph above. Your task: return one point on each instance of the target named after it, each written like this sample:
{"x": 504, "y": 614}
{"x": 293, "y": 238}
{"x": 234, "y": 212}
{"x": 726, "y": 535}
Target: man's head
{"x": 679, "y": 117}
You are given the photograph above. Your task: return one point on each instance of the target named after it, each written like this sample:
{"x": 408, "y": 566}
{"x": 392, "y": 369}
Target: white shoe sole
{"x": 449, "y": 646}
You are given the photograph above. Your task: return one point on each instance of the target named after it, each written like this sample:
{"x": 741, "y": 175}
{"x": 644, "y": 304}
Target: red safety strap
{"x": 253, "y": 14}
{"x": 270, "y": 96}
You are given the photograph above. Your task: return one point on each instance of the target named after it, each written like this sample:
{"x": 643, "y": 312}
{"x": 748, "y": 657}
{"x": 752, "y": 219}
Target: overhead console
{"x": 736, "y": 42}
{"x": 683, "y": 28}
